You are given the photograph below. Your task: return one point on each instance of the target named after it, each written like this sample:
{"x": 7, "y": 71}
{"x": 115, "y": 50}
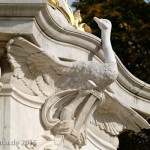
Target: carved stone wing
{"x": 44, "y": 74}
{"x": 113, "y": 117}
{"x": 31, "y": 67}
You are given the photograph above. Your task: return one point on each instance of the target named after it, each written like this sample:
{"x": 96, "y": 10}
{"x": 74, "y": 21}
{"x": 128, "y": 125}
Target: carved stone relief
{"x": 61, "y": 91}
{"x": 75, "y": 94}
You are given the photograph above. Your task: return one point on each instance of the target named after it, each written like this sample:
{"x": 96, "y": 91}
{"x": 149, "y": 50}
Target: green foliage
{"x": 130, "y": 32}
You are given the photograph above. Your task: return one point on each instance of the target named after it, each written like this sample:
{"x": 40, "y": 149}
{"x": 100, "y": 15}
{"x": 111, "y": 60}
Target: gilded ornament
{"x": 73, "y": 18}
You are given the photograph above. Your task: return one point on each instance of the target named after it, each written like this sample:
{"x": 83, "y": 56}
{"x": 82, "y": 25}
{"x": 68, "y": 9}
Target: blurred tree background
{"x": 131, "y": 42}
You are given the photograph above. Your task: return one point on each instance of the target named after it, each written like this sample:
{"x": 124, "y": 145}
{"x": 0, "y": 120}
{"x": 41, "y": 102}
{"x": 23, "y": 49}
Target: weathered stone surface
{"x": 58, "y": 89}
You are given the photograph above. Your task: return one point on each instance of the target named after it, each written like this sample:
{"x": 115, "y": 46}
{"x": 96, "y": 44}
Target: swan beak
{"x": 97, "y": 20}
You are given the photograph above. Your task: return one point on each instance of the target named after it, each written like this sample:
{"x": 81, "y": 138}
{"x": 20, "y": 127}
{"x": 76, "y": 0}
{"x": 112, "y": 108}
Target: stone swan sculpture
{"x": 101, "y": 74}
{"x": 68, "y": 86}
{"x": 79, "y": 71}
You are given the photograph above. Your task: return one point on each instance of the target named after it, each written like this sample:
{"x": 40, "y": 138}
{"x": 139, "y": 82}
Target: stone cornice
{"x": 20, "y": 8}
{"x": 131, "y": 83}
{"x": 25, "y": 99}
{"x": 60, "y": 33}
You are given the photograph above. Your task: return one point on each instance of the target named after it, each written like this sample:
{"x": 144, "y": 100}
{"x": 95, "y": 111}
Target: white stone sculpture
{"x": 63, "y": 88}
{"x": 77, "y": 93}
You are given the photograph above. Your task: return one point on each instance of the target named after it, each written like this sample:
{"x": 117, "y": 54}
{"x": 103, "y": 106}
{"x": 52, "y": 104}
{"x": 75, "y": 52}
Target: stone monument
{"x": 61, "y": 87}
